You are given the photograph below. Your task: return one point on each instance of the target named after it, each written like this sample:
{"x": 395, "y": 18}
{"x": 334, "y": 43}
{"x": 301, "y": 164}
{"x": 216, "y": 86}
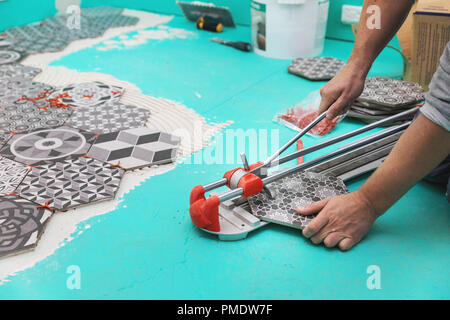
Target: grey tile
{"x": 10, "y": 56}
{"x": 296, "y": 190}
{"x": 71, "y": 183}
{"x": 11, "y": 174}
{"x": 320, "y": 68}
{"x": 108, "y": 117}
{"x": 88, "y": 94}
{"x": 21, "y": 224}
{"x": 43, "y": 146}
{"x": 135, "y": 148}
{"x": 15, "y": 70}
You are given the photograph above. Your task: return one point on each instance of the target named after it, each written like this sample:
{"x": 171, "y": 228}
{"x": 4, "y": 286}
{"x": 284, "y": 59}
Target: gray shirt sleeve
{"x": 437, "y": 100}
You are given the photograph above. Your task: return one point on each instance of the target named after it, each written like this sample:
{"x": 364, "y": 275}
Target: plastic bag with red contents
{"x": 302, "y": 114}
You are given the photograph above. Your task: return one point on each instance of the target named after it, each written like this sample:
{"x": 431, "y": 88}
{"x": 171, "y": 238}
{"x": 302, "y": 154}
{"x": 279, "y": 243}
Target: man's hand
{"x": 341, "y": 220}
{"x": 339, "y": 93}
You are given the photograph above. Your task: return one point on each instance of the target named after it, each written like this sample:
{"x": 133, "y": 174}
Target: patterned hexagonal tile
{"x": 10, "y": 56}
{"x": 43, "y": 146}
{"x": 297, "y": 190}
{"x": 320, "y": 68}
{"x": 16, "y": 70}
{"x": 108, "y": 117}
{"x": 391, "y": 92}
{"x": 71, "y": 183}
{"x": 87, "y": 94}
{"x": 26, "y": 115}
{"x": 135, "y": 148}
{"x": 11, "y": 174}
{"x": 12, "y": 89}
{"x": 21, "y": 224}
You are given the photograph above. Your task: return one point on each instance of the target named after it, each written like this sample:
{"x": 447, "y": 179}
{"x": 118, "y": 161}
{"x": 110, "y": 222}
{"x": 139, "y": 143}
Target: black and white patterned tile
{"x": 26, "y": 115}
{"x": 135, "y": 148}
{"x": 40, "y": 44}
{"x": 12, "y": 89}
{"x": 391, "y": 92}
{"x": 21, "y": 224}
{"x": 320, "y": 68}
{"x": 16, "y": 70}
{"x": 43, "y": 146}
{"x": 108, "y": 117}
{"x": 11, "y": 174}
{"x": 8, "y": 56}
{"x": 88, "y": 94}
{"x": 289, "y": 193}
{"x": 71, "y": 183}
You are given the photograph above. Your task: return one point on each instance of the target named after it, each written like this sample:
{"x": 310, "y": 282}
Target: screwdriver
{"x": 240, "y": 45}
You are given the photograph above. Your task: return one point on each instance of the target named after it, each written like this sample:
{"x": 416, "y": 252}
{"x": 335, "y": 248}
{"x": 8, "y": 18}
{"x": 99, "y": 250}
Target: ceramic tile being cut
{"x": 15, "y": 70}
{"x": 11, "y": 174}
{"x": 12, "y": 89}
{"x": 135, "y": 148}
{"x": 391, "y": 92}
{"x": 10, "y": 56}
{"x": 108, "y": 117}
{"x": 21, "y": 224}
{"x": 321, "y": 68}
{"x": 26, "y": 115}
{"x": 296, "y": 190}
{"x": 71, "y": 183}
{"x": 44, "y": 146}
{"x": 88, "y": 94}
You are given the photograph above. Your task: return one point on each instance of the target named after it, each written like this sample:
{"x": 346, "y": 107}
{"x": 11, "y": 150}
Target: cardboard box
{"x": 431, "y": 33}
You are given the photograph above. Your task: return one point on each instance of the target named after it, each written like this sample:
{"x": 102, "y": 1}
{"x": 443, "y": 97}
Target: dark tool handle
{"x": 240, "y": 45}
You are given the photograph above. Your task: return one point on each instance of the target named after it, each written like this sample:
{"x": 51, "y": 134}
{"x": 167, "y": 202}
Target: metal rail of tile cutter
{"x": 249, "y": 180}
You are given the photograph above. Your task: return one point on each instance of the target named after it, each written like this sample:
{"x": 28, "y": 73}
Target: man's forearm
{"x": 419, "y": 150}
{"x": 370, "y": 42}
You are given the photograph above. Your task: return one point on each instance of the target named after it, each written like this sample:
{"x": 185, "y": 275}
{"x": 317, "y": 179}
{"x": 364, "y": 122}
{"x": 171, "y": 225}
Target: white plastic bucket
{"x": 289, "y": 29}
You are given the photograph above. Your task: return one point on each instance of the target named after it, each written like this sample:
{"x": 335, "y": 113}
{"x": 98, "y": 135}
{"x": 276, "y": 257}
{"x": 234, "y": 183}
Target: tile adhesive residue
{"x": 165, "y": 115}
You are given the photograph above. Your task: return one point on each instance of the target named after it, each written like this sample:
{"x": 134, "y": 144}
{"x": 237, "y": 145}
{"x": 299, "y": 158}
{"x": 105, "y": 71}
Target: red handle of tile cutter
{"x": 204, "y": 211}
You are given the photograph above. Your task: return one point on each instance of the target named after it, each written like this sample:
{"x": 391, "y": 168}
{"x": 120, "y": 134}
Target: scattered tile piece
{"x": 21, "y": 224}
{"x": 71, "y": 183}
{"x": 88, "y": 94}
{"x": 321, "y": 68}
{"x": 297, "y": 190}
{"x": 108, "y": 117}
{"x": 44, "y": 146}
{"x": 135, "y": 148}
{"x": 11, "y": 174}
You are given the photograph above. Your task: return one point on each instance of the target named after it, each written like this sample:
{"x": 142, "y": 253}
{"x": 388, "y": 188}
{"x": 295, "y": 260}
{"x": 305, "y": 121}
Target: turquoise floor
{"x": 150, "y": 249}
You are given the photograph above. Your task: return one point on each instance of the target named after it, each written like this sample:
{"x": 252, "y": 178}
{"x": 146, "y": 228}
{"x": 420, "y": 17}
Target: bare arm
{"x": 344, "y": 220}
{"x": 340, "y": 92}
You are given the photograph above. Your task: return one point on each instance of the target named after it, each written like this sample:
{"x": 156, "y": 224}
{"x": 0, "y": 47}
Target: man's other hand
{"x": 341, "y": 220}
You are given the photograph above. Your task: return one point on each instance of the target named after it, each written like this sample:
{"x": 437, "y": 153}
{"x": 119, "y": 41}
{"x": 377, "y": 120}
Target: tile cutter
{"x": 251, "y": 179}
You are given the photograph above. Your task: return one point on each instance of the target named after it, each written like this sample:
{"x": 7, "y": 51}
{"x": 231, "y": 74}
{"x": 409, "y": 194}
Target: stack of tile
{"x": 384, "y": 97}
{"x": 55, "y": 33}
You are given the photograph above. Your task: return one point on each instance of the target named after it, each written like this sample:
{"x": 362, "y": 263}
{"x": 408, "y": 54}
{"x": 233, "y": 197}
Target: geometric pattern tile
{"x": 71, "y": 183}
{"x": 135, "y": 148}
{"x": 28, "y": 115}
{"x": 11, "y": 174}
{"x": 297, "y": 190}
{"x": 321, "y": 68}
{"x": 85, "y": 30}
{"x": 21, "y": 224}
{"x": 391, "y": 92}
{"x": 15, "y": 70}
{"x": 4, "y": 137}
{"x": 114, "y": 20}
{"x": 88, "y": 94}
{"x": 10, "y": 56}
{"x": 41, "y": 44}
{"x": 11, "y": 89}
{"x": 43, "y": 146}
{"x": 100, "y": 11}
{"x": 108, "y": 117}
